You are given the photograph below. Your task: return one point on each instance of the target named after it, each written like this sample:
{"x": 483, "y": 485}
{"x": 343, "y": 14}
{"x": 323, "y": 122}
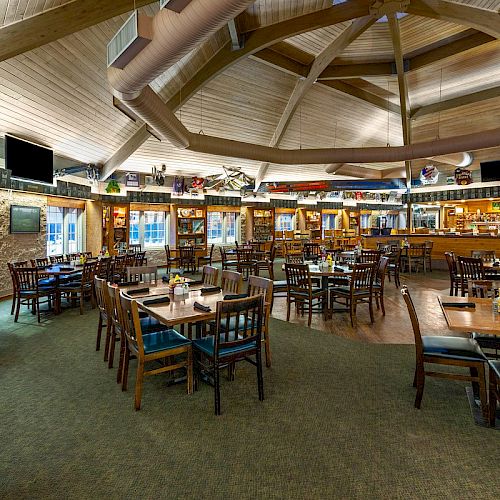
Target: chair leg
{"x": 138, "y": 384}
{"x": 99, "y": 332}
{"x": 119, "y": 373}
{"x": 111, "y": 352}
{"x": 13, "y": 303}
{"x": 420, "y": 381}
{"x": 370, "y": 307}
{"x": 37, "y": 305}
{"x": 482, "y": 392}
{"x": 190, "y": 370}
{"x": 267, "y": 345}
{"x": 260, "y": 382}
{"x": 493, "y": 387}
{"x": 415, "y": 378}
{"x": 125, "y": 369}
{"x": 309, "y": 318}
{"x": 216, "y": 390}
{"x": 107, "y": 340}
{"x": 288, "y": 304}
{"x": 382, "y": 305}
{"x": 18, "y": 305}
{"x": 352, "y": 311}
{"x": 82, "y": 294}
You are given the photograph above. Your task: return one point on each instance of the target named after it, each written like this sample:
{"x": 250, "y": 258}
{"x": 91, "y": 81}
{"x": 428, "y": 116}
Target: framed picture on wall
{"x": 24, "y": 220}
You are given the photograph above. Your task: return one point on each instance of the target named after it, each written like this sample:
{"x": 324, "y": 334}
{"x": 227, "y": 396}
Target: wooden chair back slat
{"x": 210, "y": 275}
{"x": 231, "y": 282}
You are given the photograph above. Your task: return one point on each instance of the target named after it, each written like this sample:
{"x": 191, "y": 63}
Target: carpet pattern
{"x": 337, "y": 422}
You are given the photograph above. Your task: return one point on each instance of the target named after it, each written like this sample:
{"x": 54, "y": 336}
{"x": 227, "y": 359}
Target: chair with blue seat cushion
{"x": 237, "y": 337}
{"x": 359, "y": 289}
{"x": 82, "y": 288}
{"x": 451, "y": 351}
{"x": 494, "y": 389}
{"x": 29, "y": 291}
{"x": 301, "y": 292}
{"x": 164, "y": 346}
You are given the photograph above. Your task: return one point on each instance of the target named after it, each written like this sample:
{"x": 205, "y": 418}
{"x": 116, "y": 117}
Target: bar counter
{"x": 461, "y": 245}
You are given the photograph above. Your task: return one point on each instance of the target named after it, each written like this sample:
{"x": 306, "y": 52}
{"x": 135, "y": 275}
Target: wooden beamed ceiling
{"x": 361, "y": 82}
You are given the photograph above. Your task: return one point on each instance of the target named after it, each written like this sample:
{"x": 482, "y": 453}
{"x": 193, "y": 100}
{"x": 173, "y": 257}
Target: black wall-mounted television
{"x": 27, "y": 160}
{"x": 24, "y": 219}
{"x": 490, "y": 171}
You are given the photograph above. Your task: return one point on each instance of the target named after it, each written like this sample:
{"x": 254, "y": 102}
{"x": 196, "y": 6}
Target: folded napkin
{"x": 201, "y": 307}
{"x": 469, "y": 305}
{"x": 159, "y": 300}
{"x": 210, "y": 289}
{"x": 195, "y": 282}
{"x": 128, "y": 283}
{"x": 236, "y": 296}
{"x": 137, "y": 291}
{"x": 66, "y": 268}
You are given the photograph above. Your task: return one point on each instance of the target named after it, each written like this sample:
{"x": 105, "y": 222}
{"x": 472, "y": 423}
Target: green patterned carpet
{"x": 337, "y": 422}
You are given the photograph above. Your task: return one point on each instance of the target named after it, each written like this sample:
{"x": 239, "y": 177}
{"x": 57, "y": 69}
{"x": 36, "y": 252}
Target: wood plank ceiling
{"x": 57, "y": 94}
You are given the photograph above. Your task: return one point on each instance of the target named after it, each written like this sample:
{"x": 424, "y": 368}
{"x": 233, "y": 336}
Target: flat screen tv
{"x": 490, "y": 171}
{"x": 24, "y": 219}
{"x": 27, "y": 160}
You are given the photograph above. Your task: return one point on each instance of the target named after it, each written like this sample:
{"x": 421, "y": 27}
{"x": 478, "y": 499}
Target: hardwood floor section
{"x": 395, "y": 327}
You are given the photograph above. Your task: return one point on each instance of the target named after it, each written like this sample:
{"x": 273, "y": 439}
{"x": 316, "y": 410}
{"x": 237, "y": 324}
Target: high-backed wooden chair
{"x": 165, "y": 346}
{"x": 82, "y": 288}
{"x": 187, "y": 258}
{"x": 368, "y": 256}
{"x": 229, "y": 261}
{"x": 359, "y": 290}
{"x": 450, "y": 351}
{"x": 105, "y": 313}
{"x": 469, "y": 269}
{"x": 171, "y": 260}
{"x": 379, "y": 282}
{"x": 206, "y": 259}
{"x": 415, "y": 257}
{"x": 231, "y": 282}
{"x": 118, "y": 272}
{"x": 246, "y": 261}
{"x": 263, "y": 286}
{"x": 428, "y": 254}
{"x": 394, "y": 265}
{"x": 301, "y": 292}
{"x": 210, "y": 275}
{"x": 103, "y": 268}
{"x": 144, "y": 274}
{"x": 237, "y": 337}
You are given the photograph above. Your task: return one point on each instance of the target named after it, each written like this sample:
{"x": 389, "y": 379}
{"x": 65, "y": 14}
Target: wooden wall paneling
{"x": 53, "y": 201}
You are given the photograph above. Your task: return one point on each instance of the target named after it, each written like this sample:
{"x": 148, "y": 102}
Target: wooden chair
{"x": 140, "y": 259}
{"x": 82, "y": 288}
{"x": 300, "y": 291}
{"x": 266, "y": 264}
{"x": 118, "y": 272}
{"x": 246, "y": 261}
{"x": 103, "y": 268}
{"x": 170, "y": 259}
{"x": 162, "y": 346}
{"x": 368, "y": 256}
{"x": 227, "y": 261}
{"x": 135, "y": 247}
{"x": 144, "y": 274}
{"x": 454, "y": 351}
{"x": 206, "y": 259}
{"x": 359, "y": 290}
{"x": 57, "y": 259}
{"x": 488, "y": 257}
{"x": 469, "y": 269}
{"x": 187, "y": 259}
{"x": 378, "y": 283}
{"x": 237, "y": 337}
{"x": 105, "y": 314}
{"x": 428, "y": 254}
{"x": 87, "y": 255}
{"x": 455, "y": 278}
{"x": 294, "y": 258}
{"x": 210, "y": 276}
{"x": 263, "y": 286}
{"x": 394, "y": 265}
{"x": 232, "y": 282}
{"x": 29, "y": 291}
{"x": 494, "y": 389}
{"x": 415, "y": 257}
{"x": 44, "y": 261}
{"x": 312, "y": 251}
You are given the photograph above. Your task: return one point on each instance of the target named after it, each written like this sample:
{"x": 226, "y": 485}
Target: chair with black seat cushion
{"x": 229, "y": 260}
{"x": 469, "y": 269}
{"x": 263, "y": 286}
{"x": 103, "y": 268}
{"x": 450, "y": 351}
{"x": 187, "y": 259}
{"x": 210, "y": 276}
{"x": 171, "y": 260}
{"x": 312, "y": 251}
{"x": 266, "y": 263}
{"x": 493, "y": 389}
{"x": 206, "y": 259}
{"x": 300, "y": 291}
{"x": 165, "y": 346}
{"x": 394, "y": 265}
{"x": 232, "y": 282}
{"x": 455, "y": 278}
{"x": 29, "y": 291}
{"x": 379, "y": 282}
{"x": 359, "y": 290}
{"x": 84, "y": 287}
{"x": 118, "y": 268}
{"x": 238, "y": 335}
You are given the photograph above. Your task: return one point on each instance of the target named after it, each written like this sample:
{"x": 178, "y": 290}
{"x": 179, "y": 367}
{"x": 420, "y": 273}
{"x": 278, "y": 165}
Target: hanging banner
{"x": 463, "y": 176}
{"x": 429, "y": 175}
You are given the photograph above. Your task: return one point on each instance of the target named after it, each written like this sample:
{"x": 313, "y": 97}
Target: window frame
{"x": 141, "y": 230}
{"x": 67, "y": 215}
{"x": 224, "y": 230}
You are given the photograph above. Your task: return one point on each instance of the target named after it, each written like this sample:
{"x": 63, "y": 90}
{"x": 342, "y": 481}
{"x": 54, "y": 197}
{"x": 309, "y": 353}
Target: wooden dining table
{"x": 56, "y": 271}
{"x": 480, "y": 319}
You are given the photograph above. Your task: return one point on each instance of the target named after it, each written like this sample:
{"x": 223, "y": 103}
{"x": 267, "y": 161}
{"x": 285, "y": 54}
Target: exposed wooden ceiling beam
{"x": 281, "y": 62}
{"x": 463, "y": 100}
{"x": 303, "y": 85}
{"x": 58, "y": 22}
{"x": 404, "y": 101}
{"x": 480, "y": 19}
{"x": 363, "y": 95}
{"x": 125, "y": 151}
{"x": 453, "y": 48}
{"x": 339, "y": 71}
